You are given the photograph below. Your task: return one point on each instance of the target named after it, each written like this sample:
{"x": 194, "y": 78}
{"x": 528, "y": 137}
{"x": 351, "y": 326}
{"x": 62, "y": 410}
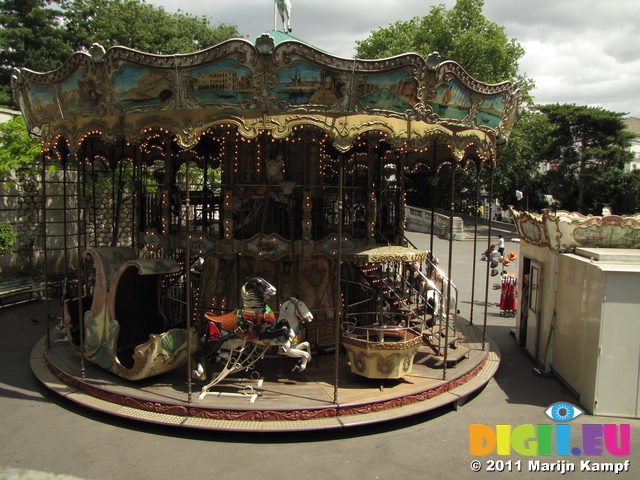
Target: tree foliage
{"x": 518, "y": 162}
{"x": 139, "y": 25}
{"x": 587, "y": 145}
{"x": 31, "y": 36}
{"x": 462, "y": 34}
{"x": 7, "y": 238}
{"x": 19, "y": 151}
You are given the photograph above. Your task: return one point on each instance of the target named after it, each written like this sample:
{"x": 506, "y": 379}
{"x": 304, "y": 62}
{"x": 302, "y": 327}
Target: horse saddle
{"x": 228, "y": 321}
{"x": 242, "y": 322}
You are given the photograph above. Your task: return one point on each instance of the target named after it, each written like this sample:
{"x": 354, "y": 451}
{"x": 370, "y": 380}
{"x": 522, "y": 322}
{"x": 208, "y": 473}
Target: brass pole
{"x": 44, "y": 241}
{"x": 433, "y": 183}
{"x": 80, "y": 262}
{"x": 187, "y": 264}
{"x": 338, "y": 300}
{"x": 64, "y": 222}
{"x": 449, "y": 270}
{"x": 475, "y": 244}
{"x": 486, "y": 286}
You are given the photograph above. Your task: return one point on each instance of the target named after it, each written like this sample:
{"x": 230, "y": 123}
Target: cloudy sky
{"x": 585, "y": 52}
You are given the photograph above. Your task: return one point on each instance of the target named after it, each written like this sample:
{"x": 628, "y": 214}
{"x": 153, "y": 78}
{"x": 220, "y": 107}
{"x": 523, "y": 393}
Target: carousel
{"x": 232, "y": 233}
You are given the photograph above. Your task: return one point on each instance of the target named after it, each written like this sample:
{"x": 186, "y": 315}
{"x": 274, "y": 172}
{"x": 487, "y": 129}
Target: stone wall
{"x": 419, "y": 220}
{"x": 22, "y": 205}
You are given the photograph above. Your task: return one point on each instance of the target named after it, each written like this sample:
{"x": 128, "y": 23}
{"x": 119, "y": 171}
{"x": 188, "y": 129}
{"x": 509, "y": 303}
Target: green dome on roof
{"x": 278, "y": 37}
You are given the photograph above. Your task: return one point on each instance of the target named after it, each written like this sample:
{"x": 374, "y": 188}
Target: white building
{"x": 633, "y": 125}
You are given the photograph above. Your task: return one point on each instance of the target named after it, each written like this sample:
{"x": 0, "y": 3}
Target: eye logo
{"x": 563, "y": 412}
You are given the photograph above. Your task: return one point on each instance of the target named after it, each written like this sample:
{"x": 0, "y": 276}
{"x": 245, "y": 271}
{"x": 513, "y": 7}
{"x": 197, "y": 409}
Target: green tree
{"x": 617, "y": 189}
{"x": 30, "y": 37}
{"x": 19, "y": 151}
{"x": 517, "y": 164}
{"x": 587, "y": 143}
{"x": 138, "y": 25}
{"x": 7, "y": 238}
{"x": 462, "y": 34}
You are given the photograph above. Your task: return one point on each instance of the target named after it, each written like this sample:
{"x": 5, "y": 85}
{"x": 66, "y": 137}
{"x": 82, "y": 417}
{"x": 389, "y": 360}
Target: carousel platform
{"x": 271, "y": 397}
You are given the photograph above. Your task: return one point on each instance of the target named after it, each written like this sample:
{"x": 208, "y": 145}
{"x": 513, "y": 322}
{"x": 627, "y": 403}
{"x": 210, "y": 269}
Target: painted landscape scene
{"x": 138, "y": 86}
{"x": 78, "y": 94}
{"x": 394, "y": 91}
{"x": 491, "y": 110}
{"x": 304, "y": 83}
{"x": 451, "y": 101}
{"x": 224, "y": 82}
{"x": 42, "y": 102}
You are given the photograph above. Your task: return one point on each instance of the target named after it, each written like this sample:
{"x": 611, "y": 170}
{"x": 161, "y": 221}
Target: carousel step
{"x": 441, "y": 330}
{"x": 454, "y": 356}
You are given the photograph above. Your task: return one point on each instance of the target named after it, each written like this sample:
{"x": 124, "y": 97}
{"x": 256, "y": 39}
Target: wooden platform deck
{"x": 272, "y": 398}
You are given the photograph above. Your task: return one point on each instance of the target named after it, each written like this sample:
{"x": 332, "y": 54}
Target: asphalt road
{"x": 47, "y": 437}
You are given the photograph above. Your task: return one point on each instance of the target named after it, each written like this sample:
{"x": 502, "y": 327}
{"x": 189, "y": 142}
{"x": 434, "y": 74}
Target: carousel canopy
{"x": 272, "y": 83}
{"x": 382, "y": 254}
{"x": 561, "y": 230}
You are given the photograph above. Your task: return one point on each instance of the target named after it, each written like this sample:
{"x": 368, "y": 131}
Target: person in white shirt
{"x": 500, "y": 245}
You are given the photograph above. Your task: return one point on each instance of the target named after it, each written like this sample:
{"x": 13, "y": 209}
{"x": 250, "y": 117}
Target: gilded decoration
{"x": 132, "y": 90}
{"x": 381, "y": 352}
{"x": 384, "y": 254}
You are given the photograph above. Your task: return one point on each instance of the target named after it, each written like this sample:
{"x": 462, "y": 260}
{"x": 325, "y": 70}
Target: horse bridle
{"x": 296, "y": 305}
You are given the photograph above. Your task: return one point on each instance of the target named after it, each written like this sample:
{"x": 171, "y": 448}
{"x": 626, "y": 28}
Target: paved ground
{"x": 45, "y": 437}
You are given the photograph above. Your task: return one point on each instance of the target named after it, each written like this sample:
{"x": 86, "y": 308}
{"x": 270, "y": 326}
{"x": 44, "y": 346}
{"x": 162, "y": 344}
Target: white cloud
{"x": 585, "y": 52}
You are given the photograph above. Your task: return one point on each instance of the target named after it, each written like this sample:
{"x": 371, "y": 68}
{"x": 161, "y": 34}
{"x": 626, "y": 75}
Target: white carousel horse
{"x": 243, "y": 353}
{"x": 284, "y": 9}
{"x": 436, "y": 297}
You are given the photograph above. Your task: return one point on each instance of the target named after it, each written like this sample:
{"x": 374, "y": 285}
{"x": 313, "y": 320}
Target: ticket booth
{"x": 578, "y": 304}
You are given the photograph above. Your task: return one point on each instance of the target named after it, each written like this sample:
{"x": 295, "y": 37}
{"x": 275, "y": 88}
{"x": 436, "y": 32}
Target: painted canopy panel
{"x": 240, "y": 79}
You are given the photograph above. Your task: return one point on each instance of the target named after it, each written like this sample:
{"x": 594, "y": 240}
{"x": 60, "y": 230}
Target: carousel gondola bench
{"x": 321, "y": 335}
{"x": 29, "y": 285}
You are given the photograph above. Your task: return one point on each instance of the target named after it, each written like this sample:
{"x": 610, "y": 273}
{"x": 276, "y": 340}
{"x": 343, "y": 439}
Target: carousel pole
{"x": 338, "y": 301}
{"x": 486, "y": 286}
{"x": 449, "y": 269}
{"x": 79, "y": 215}
{"x": 114, "y": 213}
{"x": 475, "y": 244}
{"x": 94, "y": 180}
{"x": 135, "y": 202}
{"x": 187, "y": 264}
{"x": 64, "y": 222}
{"x": 44, "y": 241}
{"x": 118, "y": 196}
{"x": 433, "y": 183}
{"x": 85, "y": 203}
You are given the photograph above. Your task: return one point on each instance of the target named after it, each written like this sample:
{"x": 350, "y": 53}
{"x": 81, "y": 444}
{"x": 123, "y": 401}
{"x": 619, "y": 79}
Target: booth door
{"x": 532, "y": 318}
{"x": 618, "y": 374}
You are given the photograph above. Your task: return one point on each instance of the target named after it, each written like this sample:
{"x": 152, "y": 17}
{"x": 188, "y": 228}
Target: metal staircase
{"x": 419, "y": 296}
